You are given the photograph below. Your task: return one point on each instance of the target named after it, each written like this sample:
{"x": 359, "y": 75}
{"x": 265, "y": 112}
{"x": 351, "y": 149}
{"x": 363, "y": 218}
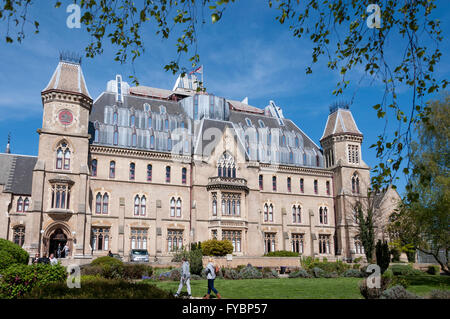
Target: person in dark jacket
{"x": 44, "y": 260}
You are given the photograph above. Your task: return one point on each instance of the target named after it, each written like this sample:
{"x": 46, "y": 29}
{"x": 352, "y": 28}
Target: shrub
{"x": 356, "y": 266}
{"x": 179, "y": 255}
{"x": 11, "y": 253}
{"x": 383, "y": 255}
{"x": 106, "y": 260}
{"x": 136, "y": 271}
{"x": 357, "y": 260}
{"x": 19, "y": 279}
{"x": 395, "y": 252}
{"x": 216, "y": 247}
{"x": 175, "y": 274}
{"x": 300, "y": 274}
{"x": 89, "y": 270}
{"x": 282, "y": 253}
{"x": 397, "y": 292}
{"x": 405, "y": 270}
{"x": 318, "y": 272}
{"x": 331, "y": 275}
{"x": 399, "y": 281}
{"x": 439, "y": 294}
{"x": 250, "y": 272}
{"x": 100, "y": 288}
{"x": 196, "y": 261}
{"x": 269, "y": 273}
{"x": 338, "y": 267}
{"x": 433, "y": 270}
{"x": 388, "y": 274}
{"x": 352, "y": 273}
{"x": 195, "y": 277}
{"x": 229, "y": 273}
{"x": 373, "y": 293}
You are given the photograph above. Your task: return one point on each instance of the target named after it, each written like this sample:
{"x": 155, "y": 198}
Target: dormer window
{"x": 248, "y": 121}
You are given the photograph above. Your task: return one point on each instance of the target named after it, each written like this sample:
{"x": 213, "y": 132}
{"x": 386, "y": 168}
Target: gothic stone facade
{"x": 157, "y": 169}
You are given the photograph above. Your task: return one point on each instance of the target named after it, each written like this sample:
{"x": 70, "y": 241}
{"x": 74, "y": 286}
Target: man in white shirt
{"x": 53, "y": 260}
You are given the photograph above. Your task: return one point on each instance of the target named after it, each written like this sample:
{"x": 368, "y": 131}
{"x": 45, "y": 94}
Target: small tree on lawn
{"x": 366, "y": 230}
{"x": 383, "y": 255}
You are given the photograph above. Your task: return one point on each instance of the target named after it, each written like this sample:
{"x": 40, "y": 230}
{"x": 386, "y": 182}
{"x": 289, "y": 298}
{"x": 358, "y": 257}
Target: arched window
{"x": 116, "y": 136}
{"x": 169, "y": 144}
{"x": 63, "y": 156}
{"x": 355, "y": 183}
{"x": 20, "y": 205}
{"x": 214, "y": 204}
{"x": 321, "y": 215}
{"x": 283, "y": 140}
{"x": 94, "y": 167}
{"x": 136, "y": 205}
{"x": 143, "y": 206}
{"x": 249, "y": 123}
{"x": 261, "y": 182}
{"x": 247, "y": 144}
{"x": 152, "y": 141}
{"x": 179, "y": 207}
{"x": 96, "y": 135}
{"x": 112, "y": 169}
{"x": 183, "y": 175}
{"x": 289, "y": 184}
{"x": 316, "y": 186}
{"x": 266, "y": 212}
{"x": 299, "y": 214}
{"x": 291, "y": 157}
{"x": 223, "y": 207}
{"x": 67, "y": 159}
{"x": 238, "y": 208}
{"x": 166, "y": 125}
{"x": 274, "y": 183}
{"x": 219, "y": 171}
{"x": 317, "y": 160}
{"x": 325, "y": 215}
{"x": 269, "y": 138}
{"x": 132, "y": 120}
{"x": 328, "y": 187}
{"x": 168, "y": 174}
{"x": 149, "y": 122}
{"x": 226, "y": 166}
{"x": 105, "y": 203}
{"x": 294, "y": 214}
{"x": 132, "y": 171}
{"x": 149, "y": 172}
{"x": 134, "y": 140}
{"x": 172, "y": 207}
{"x": 19, "y": 235}
{"x": 98, "y": 204}
{"x": 302, "y": 185}
{"x": 26, "y": 204}
{"x": 271, "y": 213}
{"x": 59, "y": 158}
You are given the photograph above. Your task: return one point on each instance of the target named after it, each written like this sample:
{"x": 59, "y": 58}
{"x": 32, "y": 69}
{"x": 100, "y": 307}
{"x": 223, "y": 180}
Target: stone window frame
{"x": 296, "y": 214}
{"x": 174, "y": 236}
{"x": 324, "y": 244}
{"x": 298, "y": 242}
{"x": 100, "y": 232}
{"x": 235, "y": 237}
{"x": 102, "y": 202}
{"x": 139, "y": 236}
{"x": 270, "y": 238}
{"x": 19, "y": 235}
{"x": 323, "y": 215}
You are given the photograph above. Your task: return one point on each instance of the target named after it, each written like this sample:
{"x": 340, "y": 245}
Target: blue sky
{"x": 247, "y": 53}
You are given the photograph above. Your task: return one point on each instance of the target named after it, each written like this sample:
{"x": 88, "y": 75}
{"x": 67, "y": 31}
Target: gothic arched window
{"x": 20, "y": 205}
{"x": 112, "y": 169}
{"x": 132, "y": 171}
{"x": 26, "y": 204}
{"x": 226, "y": 166}
{"x": 94, "y": 167}
{"x": 63, "y": 156}
{"x": 183, "y": 175}
{"x": 143, "y": 206}
{"x": 136, "y": 205}
{"x": 19, "y": 235}
{"x": 179, "y": 207}
{"x": 149, "y": 172}
{"x": 172, "y": 207}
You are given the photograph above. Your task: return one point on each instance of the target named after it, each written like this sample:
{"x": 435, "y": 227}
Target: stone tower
{"x": 341, "y": 142}
{"x": 61, "y": 175}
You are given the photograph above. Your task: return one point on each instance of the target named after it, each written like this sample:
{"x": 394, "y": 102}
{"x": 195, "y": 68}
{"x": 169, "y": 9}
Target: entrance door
{"x": 57, "y": 242}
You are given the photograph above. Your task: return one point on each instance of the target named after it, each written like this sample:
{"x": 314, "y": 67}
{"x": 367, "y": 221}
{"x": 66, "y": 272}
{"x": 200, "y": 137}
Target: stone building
{"x": 141, "y": 167}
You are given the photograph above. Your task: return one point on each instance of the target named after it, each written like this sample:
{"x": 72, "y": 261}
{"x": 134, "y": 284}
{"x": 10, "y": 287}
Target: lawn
{"x": 300, "y": 288}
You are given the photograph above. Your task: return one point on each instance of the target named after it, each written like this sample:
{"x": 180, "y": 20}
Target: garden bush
{"x": 397, "y": 292}
{"x": 282, "y": 253}
{"x": 250, "y": 272}
{"x": 405, "y": 270}
{"x": 229, "y": 273}
{"x": 100, "y": 288}
{"x": 88, "y": 270}
{"x": 300, "y": 274}
{"x": 399, "y": 281}
{"x": 196, "y": 261}
{"x": 331, "y": 275}
{"x": 195, "y": 277}
{"x": 352, "y": 273}
{"x": 318, "y": 272}
{"x": 434, "y": 270}
{"x": 106, "y": 260}
{"x": 310, "y": 263}
{"x": 11, "y": 253}
{"x": 19, "y": 279}
{"x": 439, "y": 294}
{"x": 136, "y": 271}
{"x": 216, "y": 247}
{"x": 178, "y": 256}
{"x": 356, "y": 266}
{"x": 269, "y": 273}
{"x": 175, "y": 274}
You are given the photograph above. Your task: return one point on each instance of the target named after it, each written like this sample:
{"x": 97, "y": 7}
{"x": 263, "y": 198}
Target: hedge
{"x": 282, "y": 253}
{"x": 11, "y": 253}
{"x": 214, "y": 247}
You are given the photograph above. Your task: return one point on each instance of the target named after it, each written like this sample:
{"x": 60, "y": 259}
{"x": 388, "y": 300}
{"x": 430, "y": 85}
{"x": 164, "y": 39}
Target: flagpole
{"x": 203, "y": 71}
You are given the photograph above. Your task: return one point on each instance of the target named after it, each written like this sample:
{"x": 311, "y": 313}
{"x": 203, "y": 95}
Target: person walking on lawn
{"x": 211, "y": 276}
{"x": 185, "y": 277}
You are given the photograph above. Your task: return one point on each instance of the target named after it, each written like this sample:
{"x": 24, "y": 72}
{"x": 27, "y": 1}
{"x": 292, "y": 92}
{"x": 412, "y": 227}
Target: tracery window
{"x": 226, "y": 166}
{"x": 269, "y": 242}
{"x": 231, "y": 204}
{"x": 323, "y": 215}
{"x": 112, "y": 169}
{"x": 296, "y": 214}
{"x": 139, "y": 238}
{"x": 324, "y": 244}
{"x": 60, "y": 196}
{"x": 235, "y": 237}
{"x": 355, "y": 183}
{"x": 19, "y": 205}
{"x": 297, "y": 243}
{"x": 100, "y": 238}
{"x": 214, "y": 204}
{"x": 174, "y": 240}
{"x": 101, "y": 203}
{"x": 63, "y": 156}
{"x": 359, "y": 248}
{"x": 19, "y": 235}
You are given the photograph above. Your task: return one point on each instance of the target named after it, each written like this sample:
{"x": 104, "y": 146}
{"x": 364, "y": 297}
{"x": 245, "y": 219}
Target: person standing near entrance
{"x": 185, "y": 277}
{"x": 66, "y": 251}
{"x": 211, "y": 276}
{"x": 58, "y": 251}
{"x": 53, "y": 260}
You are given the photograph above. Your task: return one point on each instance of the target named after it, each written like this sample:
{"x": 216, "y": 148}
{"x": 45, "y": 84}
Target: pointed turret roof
{"x": 340, "y": 121}
{"x": 68, "y": 77}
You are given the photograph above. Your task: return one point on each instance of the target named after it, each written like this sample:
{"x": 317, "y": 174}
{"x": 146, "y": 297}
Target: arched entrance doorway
{"x": 57, "y": 235}
{"x": 57, "y": 242}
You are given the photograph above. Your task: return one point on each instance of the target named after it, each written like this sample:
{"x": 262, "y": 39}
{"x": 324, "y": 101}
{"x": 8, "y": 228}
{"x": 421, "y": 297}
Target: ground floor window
{"x": 174, "y": 240}
{"x": 100, "y": 238}
{"x": 19, "y": 235}
{"x": 297, "y": 243}
{"x": 324, "y": 244}
{"x": 235, "y": 236}
{"x": 359, "y": 248}
{"x": 269, "y": 242}
{"x": 139, "y": 238}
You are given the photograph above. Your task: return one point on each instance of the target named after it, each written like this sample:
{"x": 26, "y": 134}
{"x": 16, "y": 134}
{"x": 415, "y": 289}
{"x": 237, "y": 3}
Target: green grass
{"x": 300, "y": 288}
{"x": 423, "y": 284}
{"x": 284, "y": 288}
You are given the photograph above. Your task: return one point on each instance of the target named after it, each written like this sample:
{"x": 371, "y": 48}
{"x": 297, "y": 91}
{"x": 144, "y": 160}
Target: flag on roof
{"x": 197, "y": 70}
